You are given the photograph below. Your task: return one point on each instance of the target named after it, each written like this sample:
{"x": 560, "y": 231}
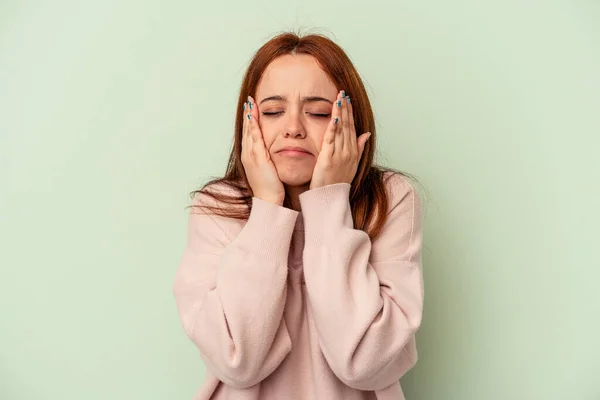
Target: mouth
{"x": 294, "y": 152}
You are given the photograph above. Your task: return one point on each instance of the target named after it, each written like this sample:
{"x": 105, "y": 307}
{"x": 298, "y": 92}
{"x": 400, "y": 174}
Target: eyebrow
{"x": 307, "y": 99}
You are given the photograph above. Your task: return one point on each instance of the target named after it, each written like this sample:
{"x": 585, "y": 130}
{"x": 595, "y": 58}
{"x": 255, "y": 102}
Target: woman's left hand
{"x": 341, "y": 149}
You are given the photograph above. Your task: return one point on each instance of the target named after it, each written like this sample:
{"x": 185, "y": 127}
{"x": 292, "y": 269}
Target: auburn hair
{"x": 368, "y": 195}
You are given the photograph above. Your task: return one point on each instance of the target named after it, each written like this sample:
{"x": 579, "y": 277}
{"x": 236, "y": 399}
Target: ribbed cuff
{"x": 326, "y": 209}
{"x": 268, "y": 231}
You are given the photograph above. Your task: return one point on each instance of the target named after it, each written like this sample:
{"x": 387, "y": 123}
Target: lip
{"x": 294, "y": 151}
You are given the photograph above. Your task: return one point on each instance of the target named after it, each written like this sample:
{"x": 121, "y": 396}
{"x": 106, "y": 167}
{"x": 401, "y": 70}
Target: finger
{"x": 258, "y": 142}
{"x": 339, "y": 137}
{"x": 251, "y": 134}
{"x": 245, "y": 144}
{"x": 352, "y": 136}
{"x": 248, "y": 143}
{"x": 254, "y": 130}
{"x": 250, "y": 115}
{"x": 244, "y": 125}
{"x": 332, "y": 128}
{"x": 345, "y": 137}
{"x": 362, "y": 142}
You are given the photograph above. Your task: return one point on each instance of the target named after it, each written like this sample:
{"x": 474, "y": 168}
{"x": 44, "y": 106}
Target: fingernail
{"x": 250, "y": 103}
{"x": 348, "y": 99}
{"x": 335, "y": 121}
{"x": 343, "y": 93}
{"x": 339, "y": 103}
{"x": 244, "y": 106}
{"x": 249, "y": 116}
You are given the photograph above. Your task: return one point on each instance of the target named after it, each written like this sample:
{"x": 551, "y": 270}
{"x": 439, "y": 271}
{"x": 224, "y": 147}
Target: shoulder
{"x": 401, "y": 235}
{"x": 400, "y": 189}
{"x": 212, "y": 195}
{"x": 215, "y": 214}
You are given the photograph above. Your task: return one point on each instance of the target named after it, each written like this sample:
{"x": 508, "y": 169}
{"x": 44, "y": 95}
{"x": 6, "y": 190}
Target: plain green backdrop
{"x": 112, "y": 112}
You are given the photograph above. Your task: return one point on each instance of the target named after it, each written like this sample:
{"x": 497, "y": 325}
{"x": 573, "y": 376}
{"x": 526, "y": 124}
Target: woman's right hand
{"x": 260, "y": 170}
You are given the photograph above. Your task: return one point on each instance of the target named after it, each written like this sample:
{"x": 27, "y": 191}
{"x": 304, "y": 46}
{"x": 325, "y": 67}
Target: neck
{"x": 292, "y": 196}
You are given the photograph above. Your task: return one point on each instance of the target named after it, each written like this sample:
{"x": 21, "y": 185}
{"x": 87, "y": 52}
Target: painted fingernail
{"x": 250, "y": 103}
{"x": 335, "y": 121}
{"x": 343, "y": 93}
{"x": 244, "y": 106}
{"x": 249, "y": 116}
{"x": 348, "y": 99}
{"x": 339, "y": 103}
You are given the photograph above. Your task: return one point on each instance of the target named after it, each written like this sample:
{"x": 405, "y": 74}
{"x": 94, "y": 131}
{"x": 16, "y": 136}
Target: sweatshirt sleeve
{"x": 367, "y": 298}
{"x": 230, "y": 294}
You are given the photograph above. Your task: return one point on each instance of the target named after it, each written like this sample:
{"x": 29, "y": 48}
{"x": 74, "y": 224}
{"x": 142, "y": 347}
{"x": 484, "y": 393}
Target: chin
{"x": 296, "y": 178}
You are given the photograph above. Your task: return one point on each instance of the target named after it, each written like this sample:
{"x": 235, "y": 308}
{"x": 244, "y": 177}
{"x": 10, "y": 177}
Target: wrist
{"x": 273, "y": 200}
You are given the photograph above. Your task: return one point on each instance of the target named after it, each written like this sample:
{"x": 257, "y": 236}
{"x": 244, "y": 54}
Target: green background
{"x": 112, "y": 111}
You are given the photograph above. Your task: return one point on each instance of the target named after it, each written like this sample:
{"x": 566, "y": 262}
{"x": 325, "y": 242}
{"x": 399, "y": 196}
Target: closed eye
{"x": 317, "y": 115}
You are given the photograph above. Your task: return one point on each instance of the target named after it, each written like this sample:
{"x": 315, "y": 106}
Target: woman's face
{"x": 295, "y": 97}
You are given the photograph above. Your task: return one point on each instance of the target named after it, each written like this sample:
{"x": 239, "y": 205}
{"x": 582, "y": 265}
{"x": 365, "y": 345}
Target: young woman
{"x": 302, "y": 276}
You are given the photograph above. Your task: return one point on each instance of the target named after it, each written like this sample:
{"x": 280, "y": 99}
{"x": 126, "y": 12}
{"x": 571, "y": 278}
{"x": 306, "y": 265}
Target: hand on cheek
{"x": 258, "y": 165}
{"x": 341, "y": 150}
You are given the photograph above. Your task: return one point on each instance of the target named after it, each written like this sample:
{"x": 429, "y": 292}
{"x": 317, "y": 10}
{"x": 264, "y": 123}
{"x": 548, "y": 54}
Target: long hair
{"x": 368, "y": 196}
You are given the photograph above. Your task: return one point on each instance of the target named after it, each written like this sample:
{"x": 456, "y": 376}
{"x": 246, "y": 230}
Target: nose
{"x": 293, "y": 125}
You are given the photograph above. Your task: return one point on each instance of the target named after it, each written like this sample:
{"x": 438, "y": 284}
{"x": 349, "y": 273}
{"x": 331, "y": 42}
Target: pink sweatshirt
{"x": 300, "y": 305}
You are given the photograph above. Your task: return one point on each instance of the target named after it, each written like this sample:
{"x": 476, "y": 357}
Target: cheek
{"x": 269, "y": 132}
{"x": 316, "y": 141}
{"x": 317, "y": 134}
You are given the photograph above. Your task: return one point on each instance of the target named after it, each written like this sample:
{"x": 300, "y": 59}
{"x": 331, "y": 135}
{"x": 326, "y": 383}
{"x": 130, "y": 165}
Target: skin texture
{"x": 298, "y": 105}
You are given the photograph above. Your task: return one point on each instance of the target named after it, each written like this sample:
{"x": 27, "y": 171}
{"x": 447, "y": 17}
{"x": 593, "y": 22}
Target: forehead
{"x": 295, "y": 74}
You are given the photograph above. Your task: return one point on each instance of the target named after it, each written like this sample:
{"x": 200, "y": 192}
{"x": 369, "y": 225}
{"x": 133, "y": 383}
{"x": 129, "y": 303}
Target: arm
{"x": 366, "y": 298}
{"x": 231, "y": 294}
